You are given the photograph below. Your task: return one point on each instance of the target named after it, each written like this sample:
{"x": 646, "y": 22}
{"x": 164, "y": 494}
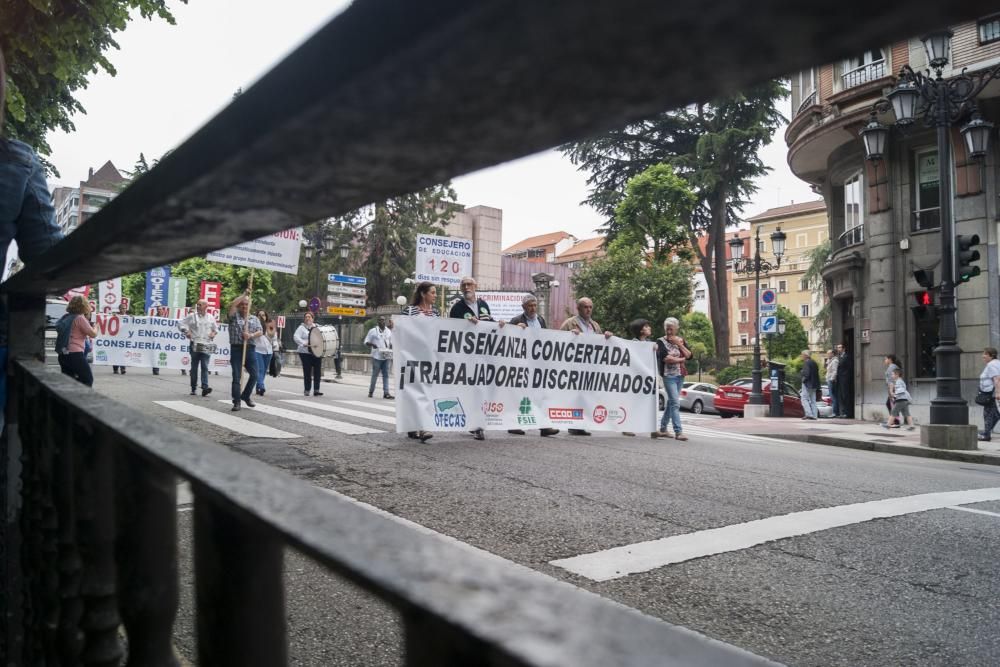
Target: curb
{"x": 965, "y": 456}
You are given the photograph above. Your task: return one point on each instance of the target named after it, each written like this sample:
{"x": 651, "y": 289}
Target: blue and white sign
{"x": 347, "y": 280}
{"x": 443, "y": 260}
{"x": 768, "y": 301}
{"x": 157, "y": 287}
{"x": 769, "y": 324}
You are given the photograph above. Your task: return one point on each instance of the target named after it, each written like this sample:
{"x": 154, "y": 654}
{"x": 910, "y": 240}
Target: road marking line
{"x": 371, "y": 406}
{"x": 216, "y": 418}
{"x": 644, "y": 556}
{"x": 712, "y": 433}
{"x": 385, "y": 419}
{"x": 312, "y": 420}
{"x": 974, "y": 511}
{"x": 285, "y": 391}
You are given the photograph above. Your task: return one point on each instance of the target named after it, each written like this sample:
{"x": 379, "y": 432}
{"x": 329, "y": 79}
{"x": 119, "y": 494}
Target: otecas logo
{"x": 565, "y": 413}
{"x": 600, "y": 414}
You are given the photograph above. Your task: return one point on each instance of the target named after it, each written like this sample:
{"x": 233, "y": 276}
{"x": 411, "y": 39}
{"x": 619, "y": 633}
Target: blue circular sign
{"x": 768, "y": 296}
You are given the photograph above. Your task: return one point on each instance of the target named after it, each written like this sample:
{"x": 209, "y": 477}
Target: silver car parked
{"x": 698, "y": 397}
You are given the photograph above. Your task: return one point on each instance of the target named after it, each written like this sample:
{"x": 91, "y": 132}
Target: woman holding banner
{"x": 422, "y": 304}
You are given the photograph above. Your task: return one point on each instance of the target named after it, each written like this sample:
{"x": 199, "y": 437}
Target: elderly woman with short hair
{"x": 671, "y": 353}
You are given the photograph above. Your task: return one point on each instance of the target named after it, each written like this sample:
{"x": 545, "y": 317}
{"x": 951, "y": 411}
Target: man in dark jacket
{"x": 530, "y": 319}
{"x": 845, "y": 382}
{"x": 810, "y": 384}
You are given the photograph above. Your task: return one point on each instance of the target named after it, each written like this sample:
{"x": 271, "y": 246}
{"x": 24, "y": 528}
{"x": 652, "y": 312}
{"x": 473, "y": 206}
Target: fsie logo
{"x": 524, "y": 414}
{"x": 448, "y": 413}
{"x": 565, "y": 413}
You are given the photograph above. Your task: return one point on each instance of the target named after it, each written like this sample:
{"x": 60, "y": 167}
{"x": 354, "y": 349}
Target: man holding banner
{"x": 200, "y": 328}
{"x": 243, "y": 328}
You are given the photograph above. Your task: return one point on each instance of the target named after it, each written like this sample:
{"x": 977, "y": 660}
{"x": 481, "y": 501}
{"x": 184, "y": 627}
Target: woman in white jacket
{"x": 312, "y": 366}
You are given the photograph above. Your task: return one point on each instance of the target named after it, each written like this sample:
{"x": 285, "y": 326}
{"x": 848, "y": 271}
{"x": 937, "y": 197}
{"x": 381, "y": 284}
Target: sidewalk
{"x": 857, "y": 435}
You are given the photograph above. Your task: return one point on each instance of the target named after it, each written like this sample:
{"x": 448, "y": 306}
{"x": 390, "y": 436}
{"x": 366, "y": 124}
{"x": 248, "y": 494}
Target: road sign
{"x": 279, "y": 321}
{"x": 769, "y": 324}
{"x": 341, "y": 288}
{"x": 350, "y": 280}
{"x": 314, "y": 304}
{"x": 768, "y": 301}
{"x": 345, "y": 300}
{"x": 346, "y": 312}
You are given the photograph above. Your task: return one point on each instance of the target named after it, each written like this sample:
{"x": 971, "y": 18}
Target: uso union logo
{"x": 448, "y": 413}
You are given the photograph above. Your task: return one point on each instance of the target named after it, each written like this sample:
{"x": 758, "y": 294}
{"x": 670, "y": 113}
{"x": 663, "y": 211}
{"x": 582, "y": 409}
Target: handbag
{"x": 274, "y": 370}
{"x": 984, "y": 398}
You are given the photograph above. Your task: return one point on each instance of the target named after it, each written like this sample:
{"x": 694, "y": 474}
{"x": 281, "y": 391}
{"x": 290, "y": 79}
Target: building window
{"x": 820, "y": 236}
{"x": 803, "y": 89}
{"x": 764, "y": 286}
{"x": 803, "y": 285}
{"x": 743, "y": 316}
{"x": 699, "y": 294}
{"x": 989, "y": 29}
{"x": 927, "y": 192}
{"x": 801, "y": 240}
{"x": 743, "y": 291}
{"x": 804, "y": 310}
{"x": 853, "y": 213}
{"x": 744, "y": 340}
{"x": 782, "y": 285}
{"x": 863, "y": 68}
{"x": 536, "y": 252}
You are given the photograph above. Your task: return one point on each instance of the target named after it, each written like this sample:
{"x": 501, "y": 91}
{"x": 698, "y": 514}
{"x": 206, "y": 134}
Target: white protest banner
{"x": 457, "y": 376}
{"x": 503, "y": 305}
{"x": 147, "y": 342}
{"x": 110, "y": 295}
{"x": 276, "y": 252}
{"x": 443, "y": 260}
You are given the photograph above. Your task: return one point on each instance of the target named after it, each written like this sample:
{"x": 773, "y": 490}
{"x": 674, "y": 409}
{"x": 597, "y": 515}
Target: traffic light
{"x": 924, "y": 305}
{"x": 924, "y": 299}
{"x": 965, "y": 256}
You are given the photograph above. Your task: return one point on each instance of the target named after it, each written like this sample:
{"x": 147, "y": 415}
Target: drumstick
{"x": 246, "y": 324}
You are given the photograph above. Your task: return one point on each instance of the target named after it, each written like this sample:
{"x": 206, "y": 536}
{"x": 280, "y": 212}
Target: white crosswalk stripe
{"x": 326, "y": 407}
{"x": 372, "y": 406}
{"x": 312, "y": 420}
{"x": 727, "y": 435}
{"x": 227, "y": 421}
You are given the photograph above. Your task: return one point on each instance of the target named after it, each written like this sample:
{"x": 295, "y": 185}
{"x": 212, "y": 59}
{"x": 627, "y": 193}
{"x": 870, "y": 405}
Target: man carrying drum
{"x": 200, "y": 328}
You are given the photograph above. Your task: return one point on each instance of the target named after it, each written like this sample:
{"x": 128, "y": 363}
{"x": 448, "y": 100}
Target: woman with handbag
{"x": 989, "y": 392}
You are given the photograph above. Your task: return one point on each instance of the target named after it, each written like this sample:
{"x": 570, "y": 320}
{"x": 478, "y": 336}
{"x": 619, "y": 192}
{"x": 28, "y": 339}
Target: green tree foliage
{"x": 655, "y": 212}
{"x": 696, "y": 328}
{"x": 741, "y": 369}
{"x": 822, "y": 320}
{"x": 794, "y": 340}
{"x": 715, "y": 147}
{"x": 234, "y": 280}
{"x": 52, "y": 47}
{"x": 624, "y": 287}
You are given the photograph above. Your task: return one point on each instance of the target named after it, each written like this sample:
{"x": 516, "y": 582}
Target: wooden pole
{"x": 246, "y": 324}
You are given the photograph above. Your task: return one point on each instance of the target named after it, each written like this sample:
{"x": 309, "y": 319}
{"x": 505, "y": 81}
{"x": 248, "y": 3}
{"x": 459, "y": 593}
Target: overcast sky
{"x": 172, "y": 79}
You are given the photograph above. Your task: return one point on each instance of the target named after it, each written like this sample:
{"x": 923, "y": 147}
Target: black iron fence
{"x": 386, "y": 99}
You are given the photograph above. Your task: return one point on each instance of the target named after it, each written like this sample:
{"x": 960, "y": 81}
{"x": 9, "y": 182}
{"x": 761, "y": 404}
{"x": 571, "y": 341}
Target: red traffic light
{"x": 924, "y": 299}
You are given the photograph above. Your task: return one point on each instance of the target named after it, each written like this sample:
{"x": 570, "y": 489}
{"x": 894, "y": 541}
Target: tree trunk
{"x": 720, "y": 304}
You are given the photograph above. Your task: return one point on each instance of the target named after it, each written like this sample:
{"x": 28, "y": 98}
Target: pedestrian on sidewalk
{"x": 891, "y": 364}
{"x": 832, "y": 362}
{"x": 900, "y": 402}
{"x": 474, "y": 310}
{"x": 72, "y": 332}
{"x": 122, "y": 310}
{"x": 312, "y": 366}
{"x": 244, "y": 329}
{"x": 845, "y": 382}
{"x": 422, "y": 305}
{"x": 671, "y": 353}
{"x": 641, "y": 330}
{"x": 201, "y": 329}
{"x": 264, "y": 349}
{"x": 810, "y": 385}
{"x": 379, "y": 341}
{"x": 989, "y": 393}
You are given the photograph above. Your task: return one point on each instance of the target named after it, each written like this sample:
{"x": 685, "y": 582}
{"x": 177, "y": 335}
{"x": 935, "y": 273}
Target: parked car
{"x": 54, "y": 310}
{"x": 824, "y": 406}
{"x": 730, "y": 398}
{"x": 698, "y": 397}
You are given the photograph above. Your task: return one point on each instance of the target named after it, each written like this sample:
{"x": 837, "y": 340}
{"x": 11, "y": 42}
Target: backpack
{"x": 63, "y": 328}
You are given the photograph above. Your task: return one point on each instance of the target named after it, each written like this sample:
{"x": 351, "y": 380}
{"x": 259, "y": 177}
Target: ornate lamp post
{"x": 317, "y": 244}
{"x": 756, "y": 266}
{"x": 940, "y": 103}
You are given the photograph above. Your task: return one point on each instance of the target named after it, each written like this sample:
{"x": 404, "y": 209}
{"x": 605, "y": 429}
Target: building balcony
{"x": 864, "y": 74}
{"x": 851, "y": 237}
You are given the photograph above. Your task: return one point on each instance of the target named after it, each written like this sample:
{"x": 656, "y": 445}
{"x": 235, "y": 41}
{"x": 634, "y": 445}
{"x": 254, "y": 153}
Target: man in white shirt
{"x": 379, "y": 340}
{"x": 199, "y": 327}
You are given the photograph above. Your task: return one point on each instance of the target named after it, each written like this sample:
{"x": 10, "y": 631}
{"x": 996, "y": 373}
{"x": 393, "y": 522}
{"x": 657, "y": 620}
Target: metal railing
{"x": 863, "y": 74}
{"x": 807, "y": 101}
{"x": 923, "y": 220}
{"x": 852, "y": 236}
{"x": 384, "y": 100}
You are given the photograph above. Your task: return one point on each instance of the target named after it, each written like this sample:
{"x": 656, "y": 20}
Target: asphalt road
{"x": 916, "y": 588}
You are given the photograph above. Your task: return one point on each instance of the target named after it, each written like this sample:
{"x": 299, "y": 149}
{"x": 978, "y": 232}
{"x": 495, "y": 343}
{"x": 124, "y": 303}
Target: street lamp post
{"x": 317, "y": 244}
{"x": 941, "y": 103}
{"x": 756, "y": 265}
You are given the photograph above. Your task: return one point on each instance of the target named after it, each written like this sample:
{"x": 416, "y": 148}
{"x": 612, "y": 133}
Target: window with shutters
{"x": 854, "y": 217}
{"x": 804, "y": 310}
{"x": 743, "y": 291}
{"x": 989, "y": 29}
{"x": 744, "y": 316}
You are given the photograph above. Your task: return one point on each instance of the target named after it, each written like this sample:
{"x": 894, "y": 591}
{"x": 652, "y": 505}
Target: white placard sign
{"x": 443, "y": 260}
{"x": 110, "y": 295}
{"x": 456, "y": 376}
{"x": 276, "y": 252}
{"x": 503, "y": 305}
{"x": 148, "y": 342}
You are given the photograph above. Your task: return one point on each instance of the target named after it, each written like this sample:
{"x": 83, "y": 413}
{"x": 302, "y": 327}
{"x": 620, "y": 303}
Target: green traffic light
{"x": 969, "y": 274}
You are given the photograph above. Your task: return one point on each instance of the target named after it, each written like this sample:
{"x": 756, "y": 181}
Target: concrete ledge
{"x": 964, "y": 456}
{"x": 752, "y": 411}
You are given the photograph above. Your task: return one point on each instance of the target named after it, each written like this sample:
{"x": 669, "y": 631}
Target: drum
{"x": 203, "y": 348}
{"x": 324, "y": 341}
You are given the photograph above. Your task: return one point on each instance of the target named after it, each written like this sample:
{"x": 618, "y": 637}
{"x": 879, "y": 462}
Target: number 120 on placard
{"x": 444, "y": 266}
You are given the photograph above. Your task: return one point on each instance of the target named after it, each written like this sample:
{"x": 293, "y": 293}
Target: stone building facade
{"x": 884, "y": 220}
